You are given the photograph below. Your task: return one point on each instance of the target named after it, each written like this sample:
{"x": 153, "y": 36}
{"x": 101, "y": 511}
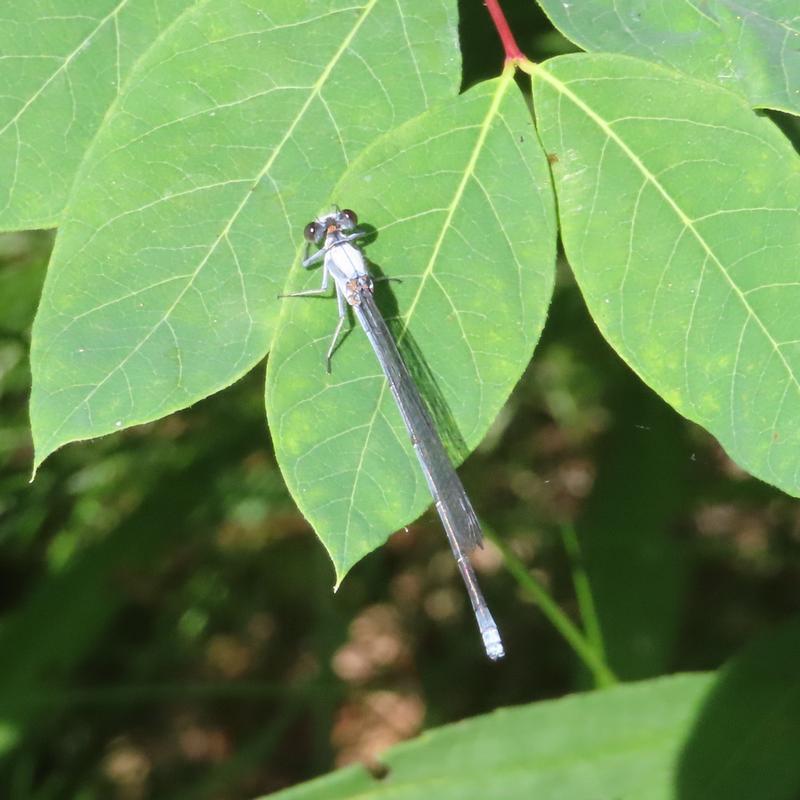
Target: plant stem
{"x": 603, "y": 676}
{"x": 512, "y": 51}
{"x": 583, "y": 591}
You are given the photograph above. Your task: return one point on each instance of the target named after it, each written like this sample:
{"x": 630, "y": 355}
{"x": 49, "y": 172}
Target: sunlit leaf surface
{"x": 462, "y": 204}
{"x": 619, "y": 743}
{"x": 752, "y": 47}
{"x": 61, "y": 66}
{"x": 679, "y": 216}
{"x": 230, "y": 133}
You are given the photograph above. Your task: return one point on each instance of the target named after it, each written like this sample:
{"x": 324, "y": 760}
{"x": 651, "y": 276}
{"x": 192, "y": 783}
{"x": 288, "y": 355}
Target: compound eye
{"x": 351, "y": 217}
{"x": 313, "y": 232}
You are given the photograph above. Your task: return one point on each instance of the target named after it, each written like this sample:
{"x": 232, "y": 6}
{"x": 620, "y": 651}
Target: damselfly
{"x": 344, "y": 262}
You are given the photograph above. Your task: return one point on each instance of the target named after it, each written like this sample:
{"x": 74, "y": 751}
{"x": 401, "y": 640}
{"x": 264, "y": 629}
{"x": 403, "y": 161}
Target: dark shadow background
{"x": 168, "y": 626}
{"x": 743, "y": 744}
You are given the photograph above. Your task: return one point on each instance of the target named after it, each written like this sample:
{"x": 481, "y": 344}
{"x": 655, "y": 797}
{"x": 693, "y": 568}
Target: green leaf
{"x": 751, "y": 47}
{"x": 186, "y": 213}
{"x": 620, "y": 743}
{"x": 60, "y": 72}
{"x": 679, "y": 216}
{"x": 462, "y": 202}
{"x": 745, "y": 742}
{"x": 763, "y": 38}
{"x": 678, "y": 35}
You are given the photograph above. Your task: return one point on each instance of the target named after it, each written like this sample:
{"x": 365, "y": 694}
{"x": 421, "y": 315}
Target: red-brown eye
{"x": 313, "y": 231}
{"x": 350, "y": 216}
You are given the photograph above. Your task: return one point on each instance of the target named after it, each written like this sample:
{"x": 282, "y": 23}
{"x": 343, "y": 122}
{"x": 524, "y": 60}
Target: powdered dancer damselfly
{"x": 344, "y": 262}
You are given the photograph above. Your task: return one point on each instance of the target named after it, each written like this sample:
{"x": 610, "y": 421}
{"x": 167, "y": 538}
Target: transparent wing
{"x": 455, "y": 510}
{"x": 452, "y": 503}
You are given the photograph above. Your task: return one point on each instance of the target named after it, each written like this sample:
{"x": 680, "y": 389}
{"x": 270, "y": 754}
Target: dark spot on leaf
{"x": 378, "y": 770}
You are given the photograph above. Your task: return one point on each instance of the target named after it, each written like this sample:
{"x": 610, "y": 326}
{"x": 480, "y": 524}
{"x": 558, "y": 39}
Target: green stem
{"x": 603, "y": 676}
{"x": 583, "y": 591}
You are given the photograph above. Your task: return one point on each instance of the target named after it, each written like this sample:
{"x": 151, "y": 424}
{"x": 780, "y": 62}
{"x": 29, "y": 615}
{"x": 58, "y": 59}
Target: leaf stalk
{"x": 510, "y": 46}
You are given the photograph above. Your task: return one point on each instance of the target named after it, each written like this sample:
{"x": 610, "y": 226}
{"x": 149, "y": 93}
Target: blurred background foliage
{"x": 168, "y": 627}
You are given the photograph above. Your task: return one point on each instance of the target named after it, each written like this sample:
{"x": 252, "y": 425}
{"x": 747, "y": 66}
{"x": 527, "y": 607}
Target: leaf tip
{"x": 39, "y": 457}
{"x": 41, "y": 452}
{"x": 340, "y": 575}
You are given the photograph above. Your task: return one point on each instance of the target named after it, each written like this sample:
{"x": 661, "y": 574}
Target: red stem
{"x": 513, "y": 53}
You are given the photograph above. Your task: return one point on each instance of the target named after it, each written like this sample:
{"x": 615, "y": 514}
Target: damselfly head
{"x": 337, "y": 220}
